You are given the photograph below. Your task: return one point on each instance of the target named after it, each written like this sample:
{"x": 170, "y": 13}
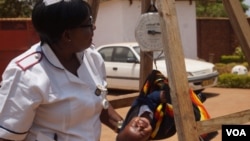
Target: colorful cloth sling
{"x": 163, "y": 124}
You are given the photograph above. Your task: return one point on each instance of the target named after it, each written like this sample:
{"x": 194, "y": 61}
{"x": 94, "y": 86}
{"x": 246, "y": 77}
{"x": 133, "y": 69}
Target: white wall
{"x": 186, "y": 14}
{"x": 116, "y": 21}
{"x": 247, "y": 2}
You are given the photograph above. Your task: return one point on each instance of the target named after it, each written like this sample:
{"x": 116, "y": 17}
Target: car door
{"x": 122, "y": 67}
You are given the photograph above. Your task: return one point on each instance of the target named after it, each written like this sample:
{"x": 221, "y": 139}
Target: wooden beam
{"x": 216, "y": 123}
{"x": 240, "y": 24}
{"x": 123, "y": 100}
{"x": 146, "y": 62}
{"x": 95, "y": 7}
{"x": 177, "y": 76}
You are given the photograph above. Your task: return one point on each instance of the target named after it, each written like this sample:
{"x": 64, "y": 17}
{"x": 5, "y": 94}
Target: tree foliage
{"x": 23, "y": 8}
{"x": 15, "y": 8}
{"x": 208, "y": 8}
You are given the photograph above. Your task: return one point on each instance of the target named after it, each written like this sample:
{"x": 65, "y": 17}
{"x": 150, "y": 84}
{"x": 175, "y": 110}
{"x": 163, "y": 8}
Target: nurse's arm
{"x": 111, "y": 118}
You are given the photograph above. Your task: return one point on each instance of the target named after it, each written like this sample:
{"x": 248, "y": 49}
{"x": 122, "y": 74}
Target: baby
{"x": 151, "y": 114}
{"x": 139, "y": 123}
{"x": 138, "y": 129}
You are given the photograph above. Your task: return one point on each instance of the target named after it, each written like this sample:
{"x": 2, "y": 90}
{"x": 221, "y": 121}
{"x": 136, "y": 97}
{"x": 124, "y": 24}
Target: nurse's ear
{"x": 66, "y": 36}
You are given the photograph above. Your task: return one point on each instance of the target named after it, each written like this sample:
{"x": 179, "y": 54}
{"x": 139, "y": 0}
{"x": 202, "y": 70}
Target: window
{"x": 117, "y": 54}
{"x": 106, "y": 53}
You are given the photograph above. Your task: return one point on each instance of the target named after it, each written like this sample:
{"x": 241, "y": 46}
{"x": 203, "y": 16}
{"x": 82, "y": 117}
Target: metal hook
{"x": 152, "y": 7}
{"x": 152, "y": 2}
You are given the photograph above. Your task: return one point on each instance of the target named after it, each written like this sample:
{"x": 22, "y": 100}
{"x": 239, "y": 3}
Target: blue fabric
{"x": 151, "y": 100}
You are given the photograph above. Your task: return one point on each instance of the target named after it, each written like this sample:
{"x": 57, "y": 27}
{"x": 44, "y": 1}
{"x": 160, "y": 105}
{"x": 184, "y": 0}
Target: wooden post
{"x": 95, "y": 7}
{"x": 146, "y": 62}
{"x": 240, "y": 24}
{"x": 174, "y": 56}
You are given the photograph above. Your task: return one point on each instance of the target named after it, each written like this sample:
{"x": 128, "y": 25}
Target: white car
{"x": 122, "y": 62}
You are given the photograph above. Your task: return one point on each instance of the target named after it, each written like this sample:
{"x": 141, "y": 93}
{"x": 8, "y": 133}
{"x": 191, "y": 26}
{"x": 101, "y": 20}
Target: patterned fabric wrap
{"x": 163, "y": 120}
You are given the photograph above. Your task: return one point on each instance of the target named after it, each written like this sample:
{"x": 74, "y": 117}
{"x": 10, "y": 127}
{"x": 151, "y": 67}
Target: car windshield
{"x": 158, "y": 55}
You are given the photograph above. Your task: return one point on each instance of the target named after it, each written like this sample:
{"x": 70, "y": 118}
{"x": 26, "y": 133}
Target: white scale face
{"x": 148, "y": 32}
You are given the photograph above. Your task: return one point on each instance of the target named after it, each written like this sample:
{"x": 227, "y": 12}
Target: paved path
{"x": 219, "y": 102}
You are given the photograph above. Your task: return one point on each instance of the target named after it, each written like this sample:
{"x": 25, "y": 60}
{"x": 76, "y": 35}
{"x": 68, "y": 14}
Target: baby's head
{"x": 138, "y": 129}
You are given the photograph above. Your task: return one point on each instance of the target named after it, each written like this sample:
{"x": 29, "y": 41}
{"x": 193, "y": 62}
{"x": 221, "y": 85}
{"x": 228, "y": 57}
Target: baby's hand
{"x": 140, "y": 125}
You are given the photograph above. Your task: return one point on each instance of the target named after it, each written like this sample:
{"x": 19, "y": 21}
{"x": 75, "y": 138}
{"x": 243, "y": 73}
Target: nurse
{"x": 55, "y": 91}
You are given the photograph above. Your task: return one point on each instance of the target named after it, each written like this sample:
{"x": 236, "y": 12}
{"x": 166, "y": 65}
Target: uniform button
{"x": 105, "y": 103}
{"x": 37, "y": 56}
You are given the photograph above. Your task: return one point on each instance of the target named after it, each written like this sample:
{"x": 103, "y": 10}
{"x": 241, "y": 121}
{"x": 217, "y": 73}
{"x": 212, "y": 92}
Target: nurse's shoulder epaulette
{"x": 29, "y": 60}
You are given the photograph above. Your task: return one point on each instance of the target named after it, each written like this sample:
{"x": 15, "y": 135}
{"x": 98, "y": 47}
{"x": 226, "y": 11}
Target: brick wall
{"x": 215, "y": 37}
{"x": 16, "y": 36}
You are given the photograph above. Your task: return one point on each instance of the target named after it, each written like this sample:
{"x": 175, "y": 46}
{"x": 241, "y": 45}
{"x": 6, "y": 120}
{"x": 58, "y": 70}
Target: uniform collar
{"x": 52, "y": 58}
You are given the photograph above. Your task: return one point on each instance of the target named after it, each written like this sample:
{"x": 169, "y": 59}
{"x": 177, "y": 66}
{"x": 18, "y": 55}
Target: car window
{"x": 117, "y": 54}
{"x": 106, "y": 53}
{"x": 137, "y": 49}
{"x": 121, "y": 54}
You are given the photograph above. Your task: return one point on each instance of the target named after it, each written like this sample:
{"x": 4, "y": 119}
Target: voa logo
{"x": 236, "y": 132}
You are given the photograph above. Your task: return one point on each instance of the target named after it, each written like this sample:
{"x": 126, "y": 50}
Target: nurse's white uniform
{"x": 41, "y": 101}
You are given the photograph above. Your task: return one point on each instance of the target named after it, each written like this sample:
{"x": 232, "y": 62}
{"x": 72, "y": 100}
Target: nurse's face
{"x": 81, "y": 36}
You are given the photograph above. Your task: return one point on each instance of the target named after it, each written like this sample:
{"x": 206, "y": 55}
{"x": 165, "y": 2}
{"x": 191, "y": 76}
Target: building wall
{"x": 116, "y": 22}
{"x": 216, "y": 37}
{"x": 17, "y": 35}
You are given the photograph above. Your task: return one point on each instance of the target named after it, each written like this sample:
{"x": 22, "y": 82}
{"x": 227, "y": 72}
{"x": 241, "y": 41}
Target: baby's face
{"x": 139, "y": 129}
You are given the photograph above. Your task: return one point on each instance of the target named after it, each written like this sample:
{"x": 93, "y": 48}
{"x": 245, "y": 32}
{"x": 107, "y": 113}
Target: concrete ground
{"x": 220, "y": 101}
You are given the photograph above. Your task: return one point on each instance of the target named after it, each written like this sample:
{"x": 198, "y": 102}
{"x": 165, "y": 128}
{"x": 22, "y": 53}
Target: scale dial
{"x": 148, "y": 32}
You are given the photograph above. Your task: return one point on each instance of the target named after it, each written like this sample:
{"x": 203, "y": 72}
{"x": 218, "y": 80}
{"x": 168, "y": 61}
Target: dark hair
{"x": 51, "y": 20}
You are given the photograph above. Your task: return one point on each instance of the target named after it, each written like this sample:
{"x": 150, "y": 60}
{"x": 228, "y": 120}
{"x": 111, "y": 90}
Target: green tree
{"x": 15, "y": 8}
{"x": 208, "y": 8}
{"x": 22, "y": 8}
